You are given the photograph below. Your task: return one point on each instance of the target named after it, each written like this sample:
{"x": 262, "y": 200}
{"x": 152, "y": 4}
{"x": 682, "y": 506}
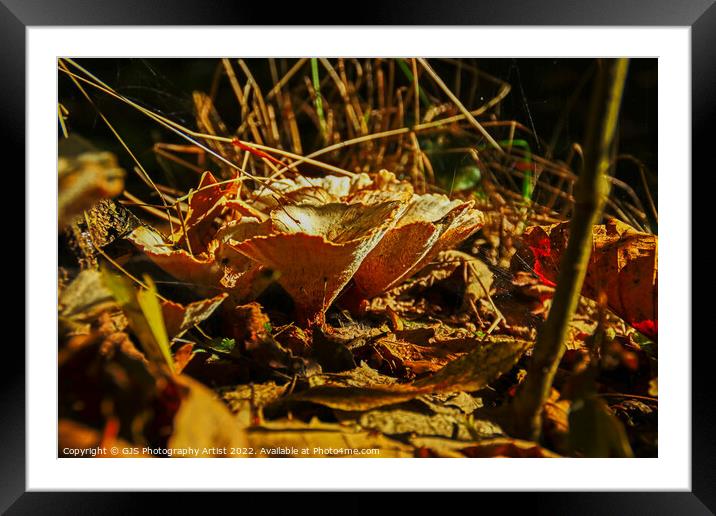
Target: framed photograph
{"x": 365, "y": 257}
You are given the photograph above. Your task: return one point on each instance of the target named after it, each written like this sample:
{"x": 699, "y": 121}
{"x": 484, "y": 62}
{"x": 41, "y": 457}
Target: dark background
{"x": 543, "y": 90}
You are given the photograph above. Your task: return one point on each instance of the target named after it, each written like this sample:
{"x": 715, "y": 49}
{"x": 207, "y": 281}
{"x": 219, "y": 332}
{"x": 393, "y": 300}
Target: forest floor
{"x": 360, "y": 266}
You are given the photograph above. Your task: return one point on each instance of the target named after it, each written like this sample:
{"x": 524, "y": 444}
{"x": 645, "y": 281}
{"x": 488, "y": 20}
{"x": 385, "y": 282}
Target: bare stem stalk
{"x": 591, "y": 193}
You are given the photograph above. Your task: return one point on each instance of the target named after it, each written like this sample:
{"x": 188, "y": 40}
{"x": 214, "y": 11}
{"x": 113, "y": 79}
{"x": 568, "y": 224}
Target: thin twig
{"x": 459, "y": 104}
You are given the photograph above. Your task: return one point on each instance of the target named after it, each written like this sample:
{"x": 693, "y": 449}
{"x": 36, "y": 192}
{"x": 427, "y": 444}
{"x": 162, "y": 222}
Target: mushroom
{"x": 220, "y": 267}
{"x": 317, "y": 249}
{"x": 431, "y": 223}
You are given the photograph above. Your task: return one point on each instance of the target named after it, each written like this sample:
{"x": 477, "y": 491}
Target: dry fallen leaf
{"x": 205, "y": 205}
{"x": 204, "y": 423}
{"x": 471, "y": 372}
{"x": 247, "y": 401}
{"x": 623, "y": 265}
{"x": 452, "y": 274}
{"x": 85, "y": 442}
{"x": 316, "y": 439}
{"x": 178, "y": 318}
{"x": 423, "y": 358}
{"x": 427, "y": 415}
{"x": 84, "y": 298}
{"x": 397, "y": 421}
{"x": 85, "y": 179}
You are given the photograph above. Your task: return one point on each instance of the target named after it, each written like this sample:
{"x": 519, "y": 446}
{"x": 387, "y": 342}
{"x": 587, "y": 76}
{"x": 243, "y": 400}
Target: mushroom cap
{"x": 220, "y": 268}
{"x": 309, "y": 190}
{"x": 205, "y": 205}
{"x": 429, "y": 224}
{"x": 317, "y": 249}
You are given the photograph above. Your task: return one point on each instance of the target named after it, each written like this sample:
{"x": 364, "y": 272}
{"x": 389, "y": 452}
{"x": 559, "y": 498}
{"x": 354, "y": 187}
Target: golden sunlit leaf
{"x": 309, "y": 190}
{"x": 204, "y": 423}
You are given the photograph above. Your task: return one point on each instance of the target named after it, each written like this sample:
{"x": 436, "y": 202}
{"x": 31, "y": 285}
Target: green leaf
{"x": 222, "y": 344}
{"x": 152, "y": 311}
{"x": 466, "y": 178}
{"x": 144, "y": 312}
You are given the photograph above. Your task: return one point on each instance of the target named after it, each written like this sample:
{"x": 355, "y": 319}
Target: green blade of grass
{"x": 319, "y": 100}
{"x": 409, "y": 75}
{"x": 144, "y": 313}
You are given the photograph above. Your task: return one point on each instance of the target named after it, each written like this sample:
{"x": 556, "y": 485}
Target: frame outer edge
{"x": 12, "y": 91}
{"x": 370, "y": 12}
{"x": 703, "y": 109}
{"x": 12, "y": 378}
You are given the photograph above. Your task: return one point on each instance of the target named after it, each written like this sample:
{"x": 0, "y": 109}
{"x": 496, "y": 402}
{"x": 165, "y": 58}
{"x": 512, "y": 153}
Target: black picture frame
{"x": 700, "y": 15}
